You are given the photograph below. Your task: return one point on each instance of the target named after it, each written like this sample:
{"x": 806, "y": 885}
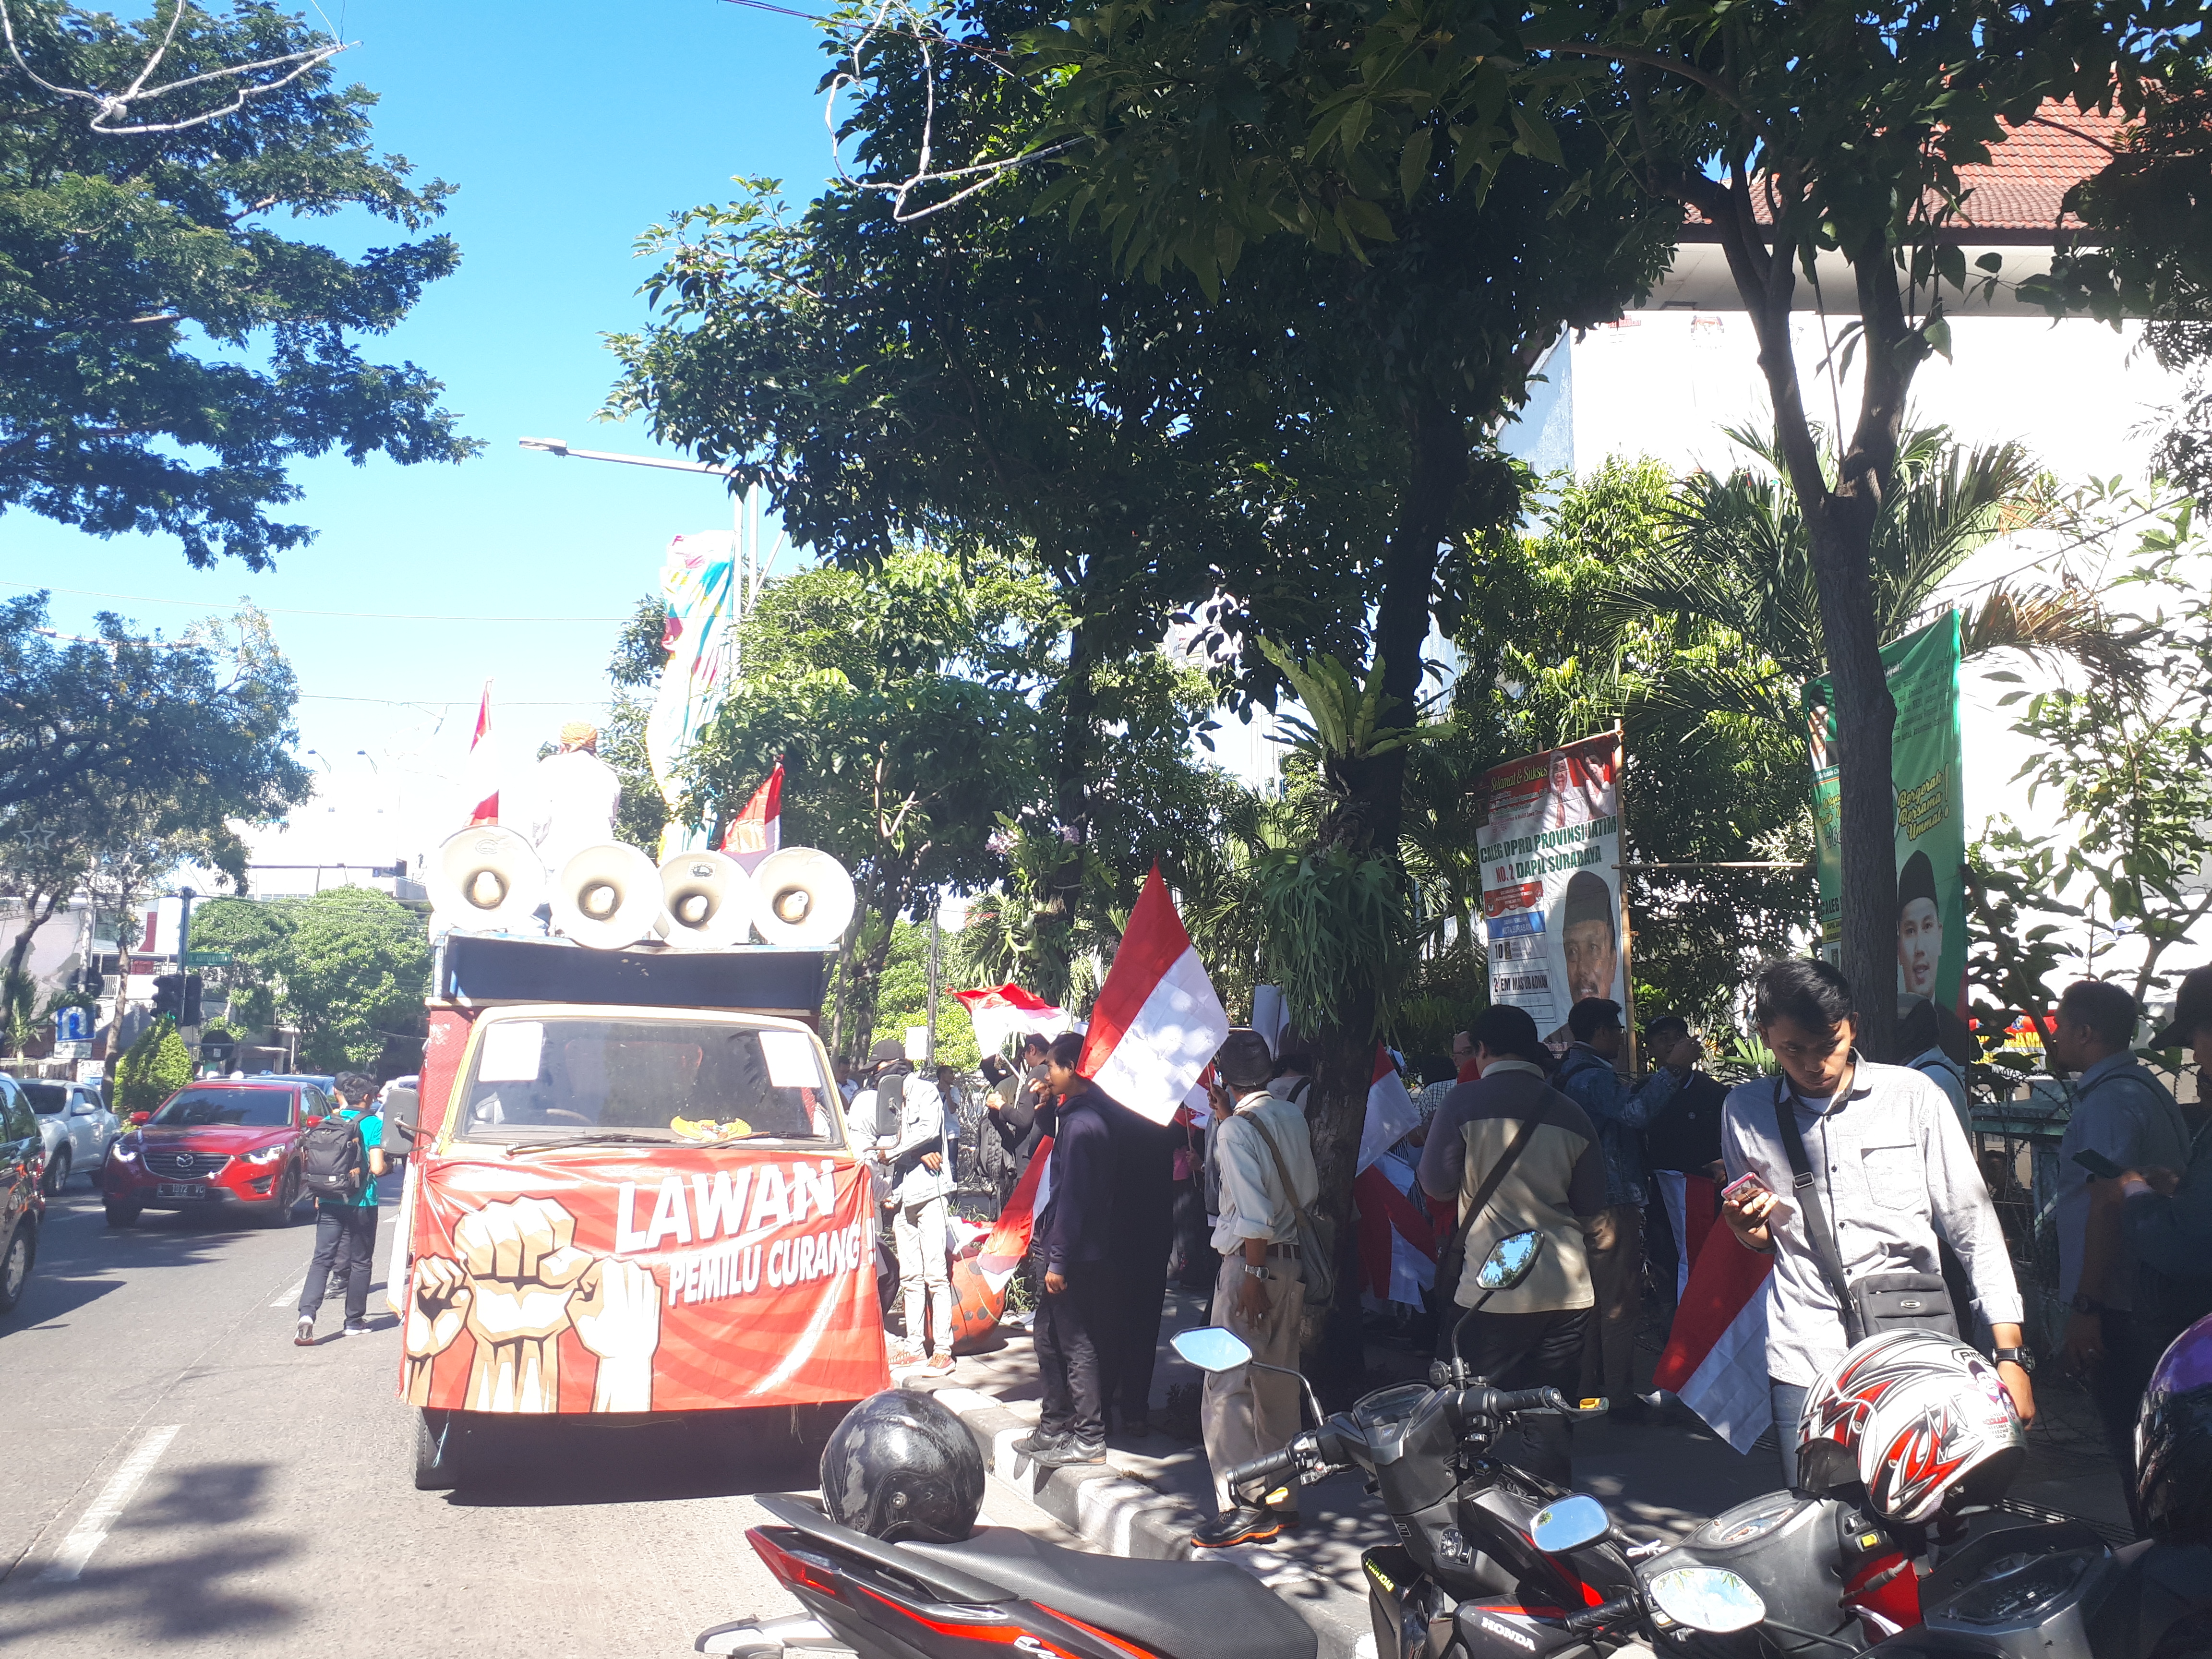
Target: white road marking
{"x": 291, "y": 1297}
{"x": 92, "y": 1525}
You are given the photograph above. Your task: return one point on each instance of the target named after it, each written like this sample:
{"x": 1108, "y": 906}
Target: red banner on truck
{"x": 606, "y": 1278}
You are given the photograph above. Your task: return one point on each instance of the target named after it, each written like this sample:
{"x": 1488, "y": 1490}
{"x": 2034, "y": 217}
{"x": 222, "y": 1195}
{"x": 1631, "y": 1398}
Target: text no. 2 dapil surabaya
{"x": 695, "y": 1209}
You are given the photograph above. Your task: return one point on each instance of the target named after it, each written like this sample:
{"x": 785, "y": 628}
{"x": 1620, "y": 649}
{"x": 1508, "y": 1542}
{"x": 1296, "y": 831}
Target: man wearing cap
{"x": 1588, "y": 935}
{"x": 1587, "y": 1077}
{"x": 1260, "y": 1292}
{"x": 575, "y": 797}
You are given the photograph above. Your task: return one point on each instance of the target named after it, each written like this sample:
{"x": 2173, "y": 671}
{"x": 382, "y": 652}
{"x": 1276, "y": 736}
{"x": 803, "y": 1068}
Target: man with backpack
{"x": 342, "y": 1157}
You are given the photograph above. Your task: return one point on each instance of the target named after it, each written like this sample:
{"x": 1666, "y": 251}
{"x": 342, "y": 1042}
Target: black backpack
{"x": 334, "y": 1162}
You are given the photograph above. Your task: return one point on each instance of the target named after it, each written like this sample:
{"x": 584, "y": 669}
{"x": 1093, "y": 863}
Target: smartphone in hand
{"x": 1747, "y": 1183}
{"x": 2099, "y": 1165}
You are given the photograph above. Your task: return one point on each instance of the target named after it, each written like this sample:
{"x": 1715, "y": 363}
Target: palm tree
{"x": 1733, "y": 573}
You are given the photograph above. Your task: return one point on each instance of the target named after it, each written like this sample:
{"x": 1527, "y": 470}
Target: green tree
{"x": 902, "y": 997}
{"x": 156, "y": 1066}
{"x": 169, "y": 352}
{"x": 349, "y": 967}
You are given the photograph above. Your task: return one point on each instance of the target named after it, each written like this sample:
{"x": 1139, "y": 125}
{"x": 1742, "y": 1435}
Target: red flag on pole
{"x": 759, "y": 830}
{"x": 481, "y": 773}
{"x": 1158, "y": 1021}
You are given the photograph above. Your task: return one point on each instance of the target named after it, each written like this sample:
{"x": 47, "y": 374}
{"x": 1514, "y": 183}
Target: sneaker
{"x": 305, "y": 1336}
{"x": 901, "y": 1357}
{"x": 1036, "y": 1443}
{"x": 1072, "y": 1451}
{"x": 1245, "y": 1524}
{"x": 356, "y": 1327}
{"x": 940, "y": 1362}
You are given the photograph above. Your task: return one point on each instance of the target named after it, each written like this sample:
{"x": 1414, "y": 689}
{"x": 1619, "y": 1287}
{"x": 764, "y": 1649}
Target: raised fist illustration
{"x": 617, "y": 1317}
{"x": 523, "y": 1271}
{"x": 435, "y": 1309}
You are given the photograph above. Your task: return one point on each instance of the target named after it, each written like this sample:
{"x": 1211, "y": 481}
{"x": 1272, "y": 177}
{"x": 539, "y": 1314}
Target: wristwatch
{"x": 2020, "y": 1357}
{"x": 1252, "y": 1272}
{"x": 2083, "y": 1304}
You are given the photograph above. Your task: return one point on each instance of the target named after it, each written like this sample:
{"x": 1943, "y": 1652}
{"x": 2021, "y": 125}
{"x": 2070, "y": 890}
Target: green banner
{"x": 1931, "y": 813}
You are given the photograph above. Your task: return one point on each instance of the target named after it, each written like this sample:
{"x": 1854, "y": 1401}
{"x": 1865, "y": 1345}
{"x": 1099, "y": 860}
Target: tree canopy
{"x": 168, "y": 353}
{"x": 347, "y": 967}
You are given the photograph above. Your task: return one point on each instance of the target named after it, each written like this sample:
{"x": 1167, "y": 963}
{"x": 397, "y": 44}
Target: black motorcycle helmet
{"x": 903, "y": 1466}
{"x": 2173, "y": 1442}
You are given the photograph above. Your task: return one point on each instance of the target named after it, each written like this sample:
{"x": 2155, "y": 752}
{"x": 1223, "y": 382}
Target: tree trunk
{"x": 1366, "y": 824}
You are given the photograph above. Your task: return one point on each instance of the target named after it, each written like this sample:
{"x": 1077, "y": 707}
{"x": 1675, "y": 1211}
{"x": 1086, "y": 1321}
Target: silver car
{"x": 76, "y": 1128}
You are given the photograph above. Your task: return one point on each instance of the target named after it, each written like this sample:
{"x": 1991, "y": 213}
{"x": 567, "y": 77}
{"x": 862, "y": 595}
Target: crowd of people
{"x": 1861, "y": 1179}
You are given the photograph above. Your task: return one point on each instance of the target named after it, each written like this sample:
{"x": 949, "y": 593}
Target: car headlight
{"x": 126, "y": 1148}
{"x": 266, "y": 1155}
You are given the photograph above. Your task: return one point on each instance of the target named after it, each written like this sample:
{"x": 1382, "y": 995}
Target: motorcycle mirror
{"x": 1707, "y": 1599}
{"x": 1511, "y": 1260}
{"x": 1569, "y": 1524}
{"x": 1212, "y": 1349}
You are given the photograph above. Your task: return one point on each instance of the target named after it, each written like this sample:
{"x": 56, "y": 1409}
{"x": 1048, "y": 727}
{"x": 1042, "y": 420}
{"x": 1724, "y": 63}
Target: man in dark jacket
{"x": 1077, "y": 1313}
{"x": 1683, "y": 1139}
{"x": 1144, "y": 1235}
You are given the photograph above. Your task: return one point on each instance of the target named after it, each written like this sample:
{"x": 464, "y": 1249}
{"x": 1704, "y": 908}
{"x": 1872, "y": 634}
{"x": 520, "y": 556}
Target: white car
{"x": 77, "y": 1129}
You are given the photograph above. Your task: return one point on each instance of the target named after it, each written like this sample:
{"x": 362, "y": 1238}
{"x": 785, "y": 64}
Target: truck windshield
{"x": 688, "y": 1080}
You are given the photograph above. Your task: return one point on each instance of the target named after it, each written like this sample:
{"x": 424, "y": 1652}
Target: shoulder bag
{"x": 1879, "y": 1303}
{"x": 1451, "y": 1260}
{"x": 1317, "y": 1233}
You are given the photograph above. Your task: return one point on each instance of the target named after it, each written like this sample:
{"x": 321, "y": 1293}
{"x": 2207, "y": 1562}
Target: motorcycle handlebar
{"x": 1597, "y": 1618}
{"x": 1261, "y": 1467}
{"x": 1503, "y": 1402}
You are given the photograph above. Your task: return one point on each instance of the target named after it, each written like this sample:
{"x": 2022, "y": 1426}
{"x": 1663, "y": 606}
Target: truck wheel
{"x": 438, "y": 1466}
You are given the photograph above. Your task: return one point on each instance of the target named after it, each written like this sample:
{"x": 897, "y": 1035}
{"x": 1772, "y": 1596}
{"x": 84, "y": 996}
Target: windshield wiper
{"x": 616, "y": 1138}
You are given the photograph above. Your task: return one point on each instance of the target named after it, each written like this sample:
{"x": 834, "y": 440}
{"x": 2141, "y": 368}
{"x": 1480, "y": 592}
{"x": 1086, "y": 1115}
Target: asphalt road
{"x": 239, "y": 1495}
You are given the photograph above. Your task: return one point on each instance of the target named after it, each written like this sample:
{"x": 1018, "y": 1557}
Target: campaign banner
{"x": 1550, "y": 849}
{"x": 1930, "y": 799}
{"x": 640, "y": 1279}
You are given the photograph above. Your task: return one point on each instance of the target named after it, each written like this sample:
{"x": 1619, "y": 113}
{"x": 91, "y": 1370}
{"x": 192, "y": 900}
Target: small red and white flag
{"x": 1009, "y": 1010}
{"x": 1391, "y": 1114}
{"x": 483, "y": 766}
{"x": 1009, "y": 1242}
{"x": 1157, "y": 1023}
{"x": 759, "y": 830}
{"x": 1716, "y": 1356}
{"x": 1398, "y": 1242}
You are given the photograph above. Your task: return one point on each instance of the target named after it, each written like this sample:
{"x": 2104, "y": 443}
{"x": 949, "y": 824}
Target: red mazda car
{"x": 223, "y": 1145}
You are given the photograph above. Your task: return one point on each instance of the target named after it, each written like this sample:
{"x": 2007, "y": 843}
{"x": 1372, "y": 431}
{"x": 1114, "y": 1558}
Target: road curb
{"x": 1106, "y": 1509}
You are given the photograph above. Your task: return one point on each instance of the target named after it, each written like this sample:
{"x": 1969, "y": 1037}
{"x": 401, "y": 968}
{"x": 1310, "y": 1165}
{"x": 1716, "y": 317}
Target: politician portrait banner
{"x": 1549, "y": 847}
{"x": 1931, "y": 811}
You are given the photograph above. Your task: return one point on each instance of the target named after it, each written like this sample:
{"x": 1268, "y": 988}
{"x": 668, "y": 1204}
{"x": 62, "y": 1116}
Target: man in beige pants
{"x": 1258, "y": 1294}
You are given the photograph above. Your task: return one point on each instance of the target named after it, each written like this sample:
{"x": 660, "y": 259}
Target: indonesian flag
{"x": 759, "y": 830}
{"x": 1692, "y": 1207}
{"x": 1398, "y": 1240}
{"x": 1391, "y": 1114}
{"x": 1157, "y": 1022}
{"x": 1009, "y": 1242}
{"x": 1716, "y": 1356}
{"x": 483, "y": 766}
{"x": 1010, "y": 1011}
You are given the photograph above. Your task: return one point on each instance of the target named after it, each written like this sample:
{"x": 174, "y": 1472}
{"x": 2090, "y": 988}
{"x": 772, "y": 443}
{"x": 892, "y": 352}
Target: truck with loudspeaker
{"x": 631, "y": 1195}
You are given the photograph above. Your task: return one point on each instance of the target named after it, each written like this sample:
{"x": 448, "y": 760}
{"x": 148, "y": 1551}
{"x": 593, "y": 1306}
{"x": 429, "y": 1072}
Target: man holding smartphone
{"x": 1890, "y": 1169}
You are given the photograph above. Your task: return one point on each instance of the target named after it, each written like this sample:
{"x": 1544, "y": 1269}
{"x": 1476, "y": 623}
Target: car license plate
{"x": 181, "y": 1189}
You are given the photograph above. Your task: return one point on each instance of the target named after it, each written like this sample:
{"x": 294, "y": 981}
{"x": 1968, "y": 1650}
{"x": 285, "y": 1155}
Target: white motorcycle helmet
{"x": 1920, "y": 1423}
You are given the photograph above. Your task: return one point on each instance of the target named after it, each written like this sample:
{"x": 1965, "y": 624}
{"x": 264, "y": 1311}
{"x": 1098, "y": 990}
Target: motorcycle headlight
{"x": 267, "y": 1154}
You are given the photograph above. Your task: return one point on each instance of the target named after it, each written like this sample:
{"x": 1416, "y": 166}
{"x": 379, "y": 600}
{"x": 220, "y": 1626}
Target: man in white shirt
{"x": 1891, "y": 1171}
{"x": 574, "y": 797}
{"x": 918, "y": 1177}
{"x": 1260, "y": 1293}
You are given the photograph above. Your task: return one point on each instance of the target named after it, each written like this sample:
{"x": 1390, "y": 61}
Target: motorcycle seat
{"x": 1189, "y": 1609}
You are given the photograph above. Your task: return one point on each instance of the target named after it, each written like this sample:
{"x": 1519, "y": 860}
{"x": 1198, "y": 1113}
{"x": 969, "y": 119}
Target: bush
{"x": 156, "y": 1067}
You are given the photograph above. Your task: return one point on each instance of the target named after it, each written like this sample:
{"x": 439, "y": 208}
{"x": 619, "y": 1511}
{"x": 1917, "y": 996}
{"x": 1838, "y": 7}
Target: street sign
{"x": 73, "y": 1050}
{"x": 207, "y": 958}
{"x": 91, "y": 1071}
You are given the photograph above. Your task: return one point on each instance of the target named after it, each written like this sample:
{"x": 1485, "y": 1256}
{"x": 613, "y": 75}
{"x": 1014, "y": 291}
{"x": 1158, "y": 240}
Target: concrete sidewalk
{"x": 1662, "y": 1478}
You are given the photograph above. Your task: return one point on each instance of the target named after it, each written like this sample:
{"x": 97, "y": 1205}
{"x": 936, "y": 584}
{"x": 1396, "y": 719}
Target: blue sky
{"x": 568, "y": 128}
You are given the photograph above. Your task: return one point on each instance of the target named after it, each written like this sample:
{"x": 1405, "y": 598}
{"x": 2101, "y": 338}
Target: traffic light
{"x": 88, "y": 980}
{"x": 168, "y": 995}
{"x": 191, "y": 1012}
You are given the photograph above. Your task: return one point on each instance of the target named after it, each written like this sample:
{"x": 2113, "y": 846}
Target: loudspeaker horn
{"x": 706, "y": 902}
{"x": 486, "y": 879}
{"x": 802, "y": 899}
{"x": 607, "y": 896}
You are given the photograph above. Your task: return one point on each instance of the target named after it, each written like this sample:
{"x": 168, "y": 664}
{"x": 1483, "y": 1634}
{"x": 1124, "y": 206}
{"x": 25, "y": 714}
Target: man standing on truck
{"x": 918, "y": 1178}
